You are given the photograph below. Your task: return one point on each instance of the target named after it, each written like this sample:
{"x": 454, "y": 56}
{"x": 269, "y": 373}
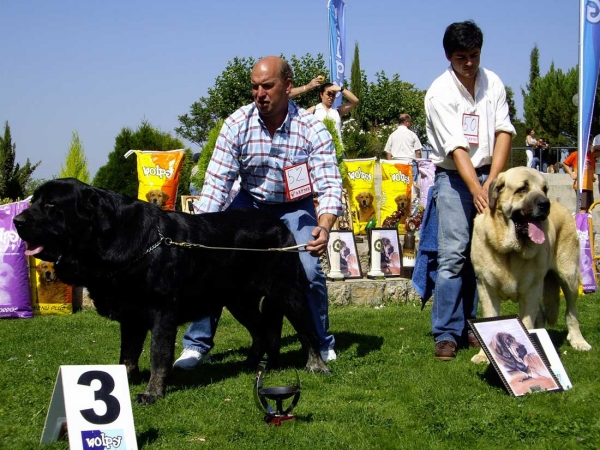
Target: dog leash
{"x": 169, "y": 242}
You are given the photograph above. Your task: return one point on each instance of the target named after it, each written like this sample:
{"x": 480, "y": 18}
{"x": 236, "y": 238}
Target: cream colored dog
{"x": 525, "y": 248}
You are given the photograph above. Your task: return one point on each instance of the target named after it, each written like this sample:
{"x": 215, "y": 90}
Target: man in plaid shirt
{"x": 259, "y": 142}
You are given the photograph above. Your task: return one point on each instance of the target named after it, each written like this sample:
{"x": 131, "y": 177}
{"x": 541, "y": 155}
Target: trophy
{"x": 335, "y": 272}
{"x": 376, "y": 248}
{"x": 278, "y": 394}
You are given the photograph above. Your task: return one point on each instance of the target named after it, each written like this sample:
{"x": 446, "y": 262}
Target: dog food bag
{"x": 49, "y": 295}
{"x": 15, "y": 297}
{"x": 396, "y": 189}
{"x": 158, "y": 176}
{"x": 361, "y": 182}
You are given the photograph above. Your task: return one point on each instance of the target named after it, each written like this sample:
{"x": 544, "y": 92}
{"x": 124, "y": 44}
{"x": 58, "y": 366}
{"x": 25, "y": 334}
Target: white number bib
{"x": 471, "y": 128}
{"x": 297, "y": 181}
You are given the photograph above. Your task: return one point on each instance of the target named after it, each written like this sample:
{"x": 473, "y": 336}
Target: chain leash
{"x": 170, "y": 243}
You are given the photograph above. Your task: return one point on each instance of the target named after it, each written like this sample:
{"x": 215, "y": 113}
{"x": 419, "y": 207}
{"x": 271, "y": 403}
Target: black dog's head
{"x": 62, "y": 212}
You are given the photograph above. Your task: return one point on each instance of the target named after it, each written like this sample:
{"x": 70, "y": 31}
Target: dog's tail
{"x": 551, "y": 300}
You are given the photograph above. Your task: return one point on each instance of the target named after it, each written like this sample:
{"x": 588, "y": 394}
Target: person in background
{"x": 469, "y": 128}
{"x": 570, "y": 166}
{"x": 258, "y": 142}
{"x": 532, "y": 145}
{"x": 315, "y": 82}
{"x": 327, "y": 94}
{"x": 404, "y": 144}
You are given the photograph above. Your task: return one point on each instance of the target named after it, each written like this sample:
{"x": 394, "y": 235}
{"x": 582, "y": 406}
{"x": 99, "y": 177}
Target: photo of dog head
{"x": 49, "y": 288}
{"x": 524, "y": 370}
{"x": 520, "y": 194}
{"x": 158, "y": 198}
{"x": 46, "y": 271}
{"x": 7, "y": 278}
{"x": 509, "y": 352}
{"x": 390, "y": 257}
{"x": 366, "y": 209}
{"x": 402, "y": 202}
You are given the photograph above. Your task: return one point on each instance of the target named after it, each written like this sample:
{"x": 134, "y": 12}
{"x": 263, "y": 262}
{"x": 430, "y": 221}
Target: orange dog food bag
{"x": 158, "y": 176}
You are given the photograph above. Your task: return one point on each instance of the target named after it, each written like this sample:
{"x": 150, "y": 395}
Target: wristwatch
{"x": 341, "y": 88}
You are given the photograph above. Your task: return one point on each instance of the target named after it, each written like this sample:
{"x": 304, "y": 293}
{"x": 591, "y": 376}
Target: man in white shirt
{"x": 470, "y": 131}
{"x": 403, "y": 143}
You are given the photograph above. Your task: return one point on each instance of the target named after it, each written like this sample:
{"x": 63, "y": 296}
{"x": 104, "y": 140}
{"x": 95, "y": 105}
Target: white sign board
{"x": 552, "y": 357}
{"x": 94, "y": 405}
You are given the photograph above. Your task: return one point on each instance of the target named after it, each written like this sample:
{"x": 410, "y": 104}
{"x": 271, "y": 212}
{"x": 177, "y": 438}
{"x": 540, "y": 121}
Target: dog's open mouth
{"x": 33, "y": 249}
{"x": 532, "y": 229}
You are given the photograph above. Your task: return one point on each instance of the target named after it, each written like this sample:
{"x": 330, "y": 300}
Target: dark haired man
{"x": 259, "y": 142}
{"x": 470, "y": 131}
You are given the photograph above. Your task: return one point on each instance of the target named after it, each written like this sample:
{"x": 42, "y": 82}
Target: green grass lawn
{"x": 386, "y": 391}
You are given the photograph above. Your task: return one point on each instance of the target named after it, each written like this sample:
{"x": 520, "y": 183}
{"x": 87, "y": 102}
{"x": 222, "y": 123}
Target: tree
{"x": 356, "y": 78}
{"x": 206, "y": 154}
{"x": 75, "y": 162}
{"x": 120, "y": 174}
{"x": 548, "y": 106}
{"x": 512, "y": 110}
{"x": 13, "y": 177}
{"x": 305, "y": 69}
{"x": 232, "y": 90}
{"x": 385, "y": 99}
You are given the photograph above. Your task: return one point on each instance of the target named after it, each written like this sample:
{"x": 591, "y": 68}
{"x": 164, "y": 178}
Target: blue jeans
{"x": 300, "y": 218}
{"x": 455, "y": 295}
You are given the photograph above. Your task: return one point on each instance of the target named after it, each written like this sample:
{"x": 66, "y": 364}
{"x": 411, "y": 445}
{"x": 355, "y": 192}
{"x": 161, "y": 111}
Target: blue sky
{"x": 96, "y": 67}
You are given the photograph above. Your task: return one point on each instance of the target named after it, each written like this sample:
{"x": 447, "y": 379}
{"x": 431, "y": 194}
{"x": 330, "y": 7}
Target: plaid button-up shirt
{"x": 245, "y": 146}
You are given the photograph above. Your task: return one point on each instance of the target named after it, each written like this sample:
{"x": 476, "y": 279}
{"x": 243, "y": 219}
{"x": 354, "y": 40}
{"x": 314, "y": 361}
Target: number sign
{"x": 94, "y": 405}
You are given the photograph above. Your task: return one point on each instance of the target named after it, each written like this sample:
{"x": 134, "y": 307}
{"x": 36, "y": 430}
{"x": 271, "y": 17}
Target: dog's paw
{"x": 145, "y": 399}
{"x": 479, "y": 358}
{"x": 324, "y": 370}
{"x": 580, "y": 345}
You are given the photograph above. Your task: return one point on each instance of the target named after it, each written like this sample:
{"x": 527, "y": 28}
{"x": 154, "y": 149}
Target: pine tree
{"x": 13, "y": 177}
{"x": 75, "y": 162}
{"x": 356, "y": 86}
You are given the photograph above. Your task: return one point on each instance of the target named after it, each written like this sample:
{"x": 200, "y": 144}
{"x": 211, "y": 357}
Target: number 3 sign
{"x": 94, "y": 404}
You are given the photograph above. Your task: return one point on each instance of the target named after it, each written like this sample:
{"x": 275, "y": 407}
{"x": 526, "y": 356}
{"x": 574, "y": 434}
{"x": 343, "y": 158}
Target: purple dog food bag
{"x": 15, "y": 294}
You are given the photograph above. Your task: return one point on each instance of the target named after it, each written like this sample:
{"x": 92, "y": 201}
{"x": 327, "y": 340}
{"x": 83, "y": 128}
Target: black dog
{"x": 124, "y": 251}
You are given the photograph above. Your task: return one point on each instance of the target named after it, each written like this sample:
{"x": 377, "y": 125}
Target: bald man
{"x": 259, "y": 142}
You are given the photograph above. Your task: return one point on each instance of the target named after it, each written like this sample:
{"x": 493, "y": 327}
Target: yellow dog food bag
{"x": 158, "y": 176}
{"x": 396, "y": 189}
{"x": 361, "y": 182}
{"x": 49, "y": 295}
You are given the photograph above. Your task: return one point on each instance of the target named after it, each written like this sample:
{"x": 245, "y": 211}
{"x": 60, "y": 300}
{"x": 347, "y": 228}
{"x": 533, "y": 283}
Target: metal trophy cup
{"x": 334, "y": 257}
{"x": 376, "y": 248}
{"x": 278, "y": 394}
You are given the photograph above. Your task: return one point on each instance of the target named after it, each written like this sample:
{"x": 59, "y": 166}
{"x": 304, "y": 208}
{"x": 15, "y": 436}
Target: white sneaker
{"x": 190, "y": 359}
{"x": 328, "y": 355}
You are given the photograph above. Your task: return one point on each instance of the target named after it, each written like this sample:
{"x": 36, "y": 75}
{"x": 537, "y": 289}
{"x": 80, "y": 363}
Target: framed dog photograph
{"x": 391, "y": 251}
{"x": 514, "y": 355}
{"x": 187, "y": 203}
{"x": 342, "y": 245}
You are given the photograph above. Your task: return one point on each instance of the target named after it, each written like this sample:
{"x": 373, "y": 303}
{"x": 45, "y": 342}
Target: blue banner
{"x": 337, "y": 44}
{"x": 589, "y": 61}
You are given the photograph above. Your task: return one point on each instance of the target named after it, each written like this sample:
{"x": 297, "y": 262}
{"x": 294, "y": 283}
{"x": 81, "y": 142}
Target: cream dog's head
{"x": 520, "y": 195}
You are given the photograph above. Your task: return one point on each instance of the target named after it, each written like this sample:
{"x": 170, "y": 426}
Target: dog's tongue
{"x": 33, "y": 250}
{"x": 535, "y": 232}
